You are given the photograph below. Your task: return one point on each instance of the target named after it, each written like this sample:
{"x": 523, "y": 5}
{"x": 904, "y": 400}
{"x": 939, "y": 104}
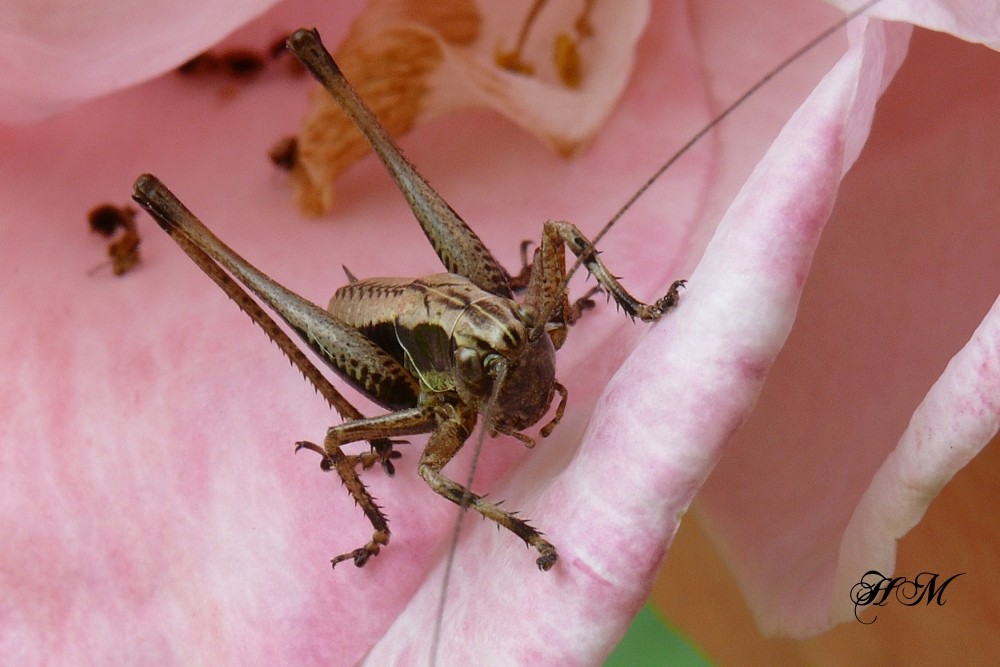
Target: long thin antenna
{"x": 462, "y": 511}
{"x": 712, "y": 124}
{"x": 456, "y": 531}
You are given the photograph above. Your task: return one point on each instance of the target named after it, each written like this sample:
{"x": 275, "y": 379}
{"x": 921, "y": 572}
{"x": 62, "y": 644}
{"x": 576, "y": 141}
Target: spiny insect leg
{"x": 209, "y": 252}
{"x": 362, "y": 460}
{"x": 547, "y": 292}
{"x": 379, "y": 454}
{"x": 519, "y": 282}
{"x": 346, "y": 467}
{"x": 558, "y": 232}
{"x": 459, "y": 248}
{"x": 383, "y": 427}
{"x": 522, "y": 280}
{"x": 442, "y": 446}
{"x": 546, "y": 430}
{"x": 339, "y": 345}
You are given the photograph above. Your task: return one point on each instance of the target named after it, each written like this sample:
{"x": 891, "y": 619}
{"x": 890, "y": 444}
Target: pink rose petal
{"x": 153, "y": 511}
{"x": 797, "y": 548}
{"x": 57, "y": 54}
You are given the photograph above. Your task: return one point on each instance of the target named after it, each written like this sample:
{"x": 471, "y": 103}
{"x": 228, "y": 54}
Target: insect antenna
{"x": 462, "y": 511}
{"x": 700, "y": 134}
{"x": 544, "y": 317}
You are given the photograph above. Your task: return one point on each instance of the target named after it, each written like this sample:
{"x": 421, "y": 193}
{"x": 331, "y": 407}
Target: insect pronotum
{"x": 437, "y": 352}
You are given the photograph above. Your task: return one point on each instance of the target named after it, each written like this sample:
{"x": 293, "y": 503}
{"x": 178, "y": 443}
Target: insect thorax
{"x": 454, "y": 336}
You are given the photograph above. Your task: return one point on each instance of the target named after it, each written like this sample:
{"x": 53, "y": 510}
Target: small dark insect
{"x": 107, "y": 220}
{"x": 285, "y": 153}
{"x": 235, "y": 63}
{"x": 241, "y": 63}
{"x": 203, "y": 63}
{"x": 437, "y": 351}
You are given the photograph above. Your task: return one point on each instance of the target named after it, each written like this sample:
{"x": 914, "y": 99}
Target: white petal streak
{"x": 957, "y": 418}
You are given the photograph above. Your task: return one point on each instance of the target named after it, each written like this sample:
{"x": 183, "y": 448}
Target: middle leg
{"x": 442, "y": 446}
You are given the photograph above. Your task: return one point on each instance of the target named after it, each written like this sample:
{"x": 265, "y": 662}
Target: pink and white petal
{"x": 871, "y": 334}
{"x": 613, "y": 506}
{"x": 143, "y": 518}
{"x": 957, "y": 418}
{"x": 147, "y": 455}
{"x": 904, "y": 274}
{"x": 971, "y": 20}
{"x": 564, "y": 118}
{"x": 754, "y": 271}
{"x": 412, "y": 63}
{"x": 55, "y": 55}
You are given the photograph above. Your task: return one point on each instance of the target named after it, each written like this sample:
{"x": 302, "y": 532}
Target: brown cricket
{"x": 436, "y": 352}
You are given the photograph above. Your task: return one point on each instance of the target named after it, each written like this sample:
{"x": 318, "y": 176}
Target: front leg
{"x": 404, "y": 422}
{"x": 442, "y": 446}
{"x": 547, "y": 289}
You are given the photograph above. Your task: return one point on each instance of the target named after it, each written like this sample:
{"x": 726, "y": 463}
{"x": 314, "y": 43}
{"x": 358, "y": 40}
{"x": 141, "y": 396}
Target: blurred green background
{"x": 651, "y": 641}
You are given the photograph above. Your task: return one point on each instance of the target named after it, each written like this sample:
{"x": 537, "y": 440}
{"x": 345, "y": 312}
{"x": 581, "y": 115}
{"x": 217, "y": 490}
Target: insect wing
{"x": 427, "y": 349}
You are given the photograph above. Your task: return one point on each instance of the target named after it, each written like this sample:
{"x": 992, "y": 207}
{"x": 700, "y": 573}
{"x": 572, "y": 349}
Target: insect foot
{"x": 443, "y": 444}
{"x": 547, "y": 560}
{"x": 667, "y": 302}
{"x": 346, "y": 466}
{"x": 557, "y": 234}
{"x": 366, "y": 460}
{"x": 361, "y": 556}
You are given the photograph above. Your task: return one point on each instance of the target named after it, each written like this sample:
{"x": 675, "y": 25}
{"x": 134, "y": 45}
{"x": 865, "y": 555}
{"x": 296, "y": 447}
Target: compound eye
{"x": 469, "y": 365}
{"x": 491, "y": 361}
